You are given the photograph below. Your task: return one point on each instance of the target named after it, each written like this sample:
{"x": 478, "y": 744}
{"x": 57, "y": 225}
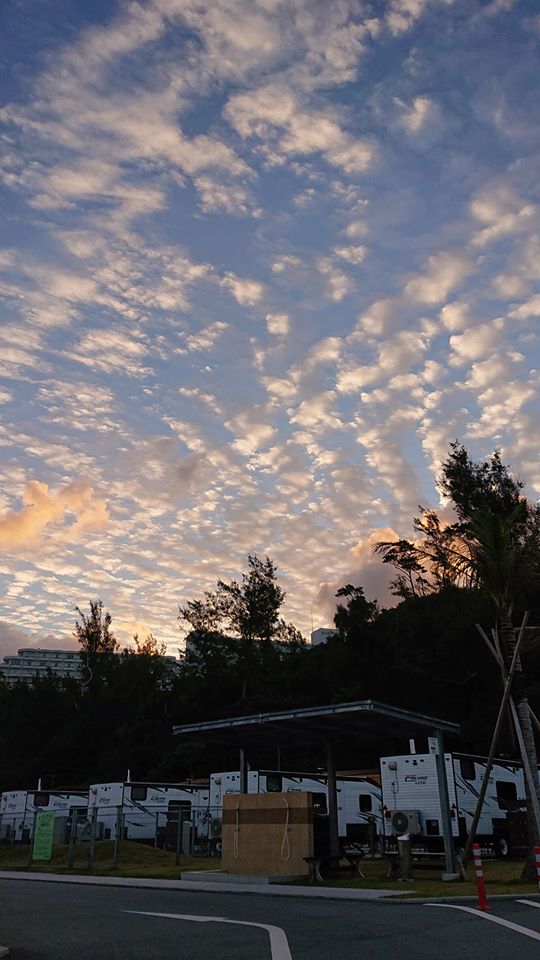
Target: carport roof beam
{"x": 316, "y": 723}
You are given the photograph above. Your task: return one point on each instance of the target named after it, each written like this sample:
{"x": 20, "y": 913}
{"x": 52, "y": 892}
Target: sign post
{"x": 43, "y": 836}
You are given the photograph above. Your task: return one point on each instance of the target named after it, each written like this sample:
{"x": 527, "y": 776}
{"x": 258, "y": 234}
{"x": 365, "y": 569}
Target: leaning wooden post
{"x": 493, "y": 748}
{"x": 526, "y": 767}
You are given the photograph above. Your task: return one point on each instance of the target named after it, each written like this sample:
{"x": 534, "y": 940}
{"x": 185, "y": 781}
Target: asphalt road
{"x": 51, "y": 921}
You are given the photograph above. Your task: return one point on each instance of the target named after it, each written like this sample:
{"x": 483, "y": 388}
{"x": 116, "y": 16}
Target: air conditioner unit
{"x": 406, "y": 821}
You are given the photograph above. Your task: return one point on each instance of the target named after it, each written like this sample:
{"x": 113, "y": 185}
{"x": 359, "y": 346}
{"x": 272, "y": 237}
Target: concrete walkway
{"x": 264, "y": 889}
{"x": 307, "y": 891}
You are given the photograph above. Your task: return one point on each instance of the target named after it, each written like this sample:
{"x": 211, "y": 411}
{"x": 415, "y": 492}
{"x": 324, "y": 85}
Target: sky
{"x": 260, "y": 262}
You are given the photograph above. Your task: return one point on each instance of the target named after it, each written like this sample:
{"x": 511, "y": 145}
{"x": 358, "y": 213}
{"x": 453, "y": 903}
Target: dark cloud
{"x": 13, "y": 638}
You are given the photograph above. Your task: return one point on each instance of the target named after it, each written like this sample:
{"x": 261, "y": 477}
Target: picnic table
{"x": 351, "y": 852}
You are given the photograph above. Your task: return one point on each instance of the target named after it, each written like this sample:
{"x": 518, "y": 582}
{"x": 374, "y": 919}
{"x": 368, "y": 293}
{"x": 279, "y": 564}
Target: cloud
{"x": 477, "y": 341}
{"x": 529, "y": 309}
{"x": 228, "y": 197}
{"x": 73, "y": 511}
{"x": 12, "y": 639}
{"x": 246, "y": 292}
{"x": 445, "y": 271}
{"x": 402, "y": 14}
{"x": 317, "y": 412}
{"x": 422, "y": 118}
{"x": 111, "y": 350}
{"x": 353, "y": 255}
{"x": 251, "y": 430}
{"x": 275, "y": 114}
{"x": 278, "y": 324}
{"x": 361, "y": 569}
{"x": 503, "y": 213}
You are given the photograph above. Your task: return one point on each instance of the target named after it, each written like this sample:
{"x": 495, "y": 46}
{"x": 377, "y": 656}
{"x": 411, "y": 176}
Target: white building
{"x": 33, "y": 662}
{"x": 322, "y": 635}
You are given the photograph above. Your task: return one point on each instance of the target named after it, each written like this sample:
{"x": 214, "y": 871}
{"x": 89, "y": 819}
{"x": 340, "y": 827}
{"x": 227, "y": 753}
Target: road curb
{"x": 269, "y": 890}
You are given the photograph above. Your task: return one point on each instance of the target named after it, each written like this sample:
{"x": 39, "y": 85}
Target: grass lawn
{"x": 140, "y": 860}
{"x": 134, "y": 860}
{"x": 501, "y": 876}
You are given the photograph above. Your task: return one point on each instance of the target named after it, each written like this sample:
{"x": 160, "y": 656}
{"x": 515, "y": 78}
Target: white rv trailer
{"x": 359, "y": 798}
{"x": 411, "y": 801}
{"x": 18, "y": 809}
{"x": 147, "y": 808}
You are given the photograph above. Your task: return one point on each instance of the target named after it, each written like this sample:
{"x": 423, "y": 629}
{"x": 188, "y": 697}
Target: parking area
{"x": 42, "y": 921}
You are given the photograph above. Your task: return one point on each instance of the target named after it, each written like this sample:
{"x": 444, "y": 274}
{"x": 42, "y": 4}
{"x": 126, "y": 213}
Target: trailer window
{"x": 364, "y": 802}
{"x": 319, "y": 803}
{"x": 139, "y": 793}
{"x": 506, "y": 792}
{"x": 274, "y": 784}
{"x": 176, "y": 808}
{"x": 41, "y": 800}
{"x": 468, "y": 768}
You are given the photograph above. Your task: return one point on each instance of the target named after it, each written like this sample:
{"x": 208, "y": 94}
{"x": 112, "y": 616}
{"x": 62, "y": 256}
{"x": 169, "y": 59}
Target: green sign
{"x": 43, "y": 836}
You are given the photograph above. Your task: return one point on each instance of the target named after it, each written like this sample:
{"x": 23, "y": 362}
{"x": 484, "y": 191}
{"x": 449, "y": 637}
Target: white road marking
{"x": 279, "y": 945}
{"x": 531, "y": 903}
{"x": 487, "y": 916}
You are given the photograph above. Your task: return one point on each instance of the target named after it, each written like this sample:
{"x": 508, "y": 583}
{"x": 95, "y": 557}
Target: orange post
{"x": 479, "y": 873}
{"x": 537, "y": 861}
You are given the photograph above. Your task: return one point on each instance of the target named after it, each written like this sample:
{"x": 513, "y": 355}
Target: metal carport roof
{"x": 315, "y": 724}
{"x": 326, "y": 724}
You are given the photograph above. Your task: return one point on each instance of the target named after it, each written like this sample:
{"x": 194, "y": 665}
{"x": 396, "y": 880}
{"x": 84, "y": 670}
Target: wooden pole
{"x": 493, "y": 747}
{"x": 526, "y": 766}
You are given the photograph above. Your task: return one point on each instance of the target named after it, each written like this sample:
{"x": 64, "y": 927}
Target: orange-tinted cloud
{"x": 70, "y": 512}
{"x": 366, "y": 570}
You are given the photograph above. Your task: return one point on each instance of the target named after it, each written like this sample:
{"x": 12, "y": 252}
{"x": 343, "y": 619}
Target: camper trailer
{"x": 359, "y": 798}
{"x": 411, "y": 801}
{"x": 147, "y": 810}
{"x": 18, "y": 809}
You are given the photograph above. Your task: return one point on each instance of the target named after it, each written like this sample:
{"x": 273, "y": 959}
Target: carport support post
{"x": 243, "y": 771}
{"x": 333, "y": 827}
{"x": 446, "y": 822}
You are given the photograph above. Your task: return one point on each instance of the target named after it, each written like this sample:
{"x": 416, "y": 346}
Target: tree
{"x": 252, "y": 607}
{"x": 249, "y": 609}
{"x": 352, "y": 618}
{"x": 503, "y": 551}
{"x": 493, "y": 546}
{"x": 94, "y": 635}
{"x": 149, "y": 647}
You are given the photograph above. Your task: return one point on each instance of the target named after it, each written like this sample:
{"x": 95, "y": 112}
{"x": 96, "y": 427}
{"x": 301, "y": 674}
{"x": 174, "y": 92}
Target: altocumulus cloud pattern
{"x": 261, "y": 261}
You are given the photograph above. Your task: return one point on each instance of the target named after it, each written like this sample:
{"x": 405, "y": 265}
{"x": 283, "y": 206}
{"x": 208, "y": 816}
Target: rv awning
{"x": 316, "y": 724}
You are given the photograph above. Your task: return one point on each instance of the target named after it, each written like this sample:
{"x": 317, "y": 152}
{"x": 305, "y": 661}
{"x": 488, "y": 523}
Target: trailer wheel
{"x": 502, "y": 847}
